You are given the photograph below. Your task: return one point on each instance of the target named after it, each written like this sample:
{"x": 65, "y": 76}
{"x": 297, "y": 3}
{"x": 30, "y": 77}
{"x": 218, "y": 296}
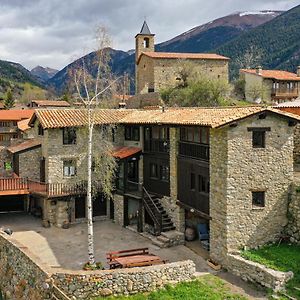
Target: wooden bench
{"x": 111, "y": 256}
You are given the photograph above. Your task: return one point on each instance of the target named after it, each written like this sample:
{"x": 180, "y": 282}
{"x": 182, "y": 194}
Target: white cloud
{"x": 52, "y": 33}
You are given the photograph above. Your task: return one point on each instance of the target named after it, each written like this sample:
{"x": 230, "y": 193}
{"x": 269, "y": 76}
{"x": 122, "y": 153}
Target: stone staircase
{"x": 167, "y": 224}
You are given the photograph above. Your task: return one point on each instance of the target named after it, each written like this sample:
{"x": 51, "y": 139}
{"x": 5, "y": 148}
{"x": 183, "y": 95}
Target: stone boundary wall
{"x": 257, "y": 273}
{"x": 293, "y": 227}
{"x": 88, "y": 284}
{"x": 22, "y": 276}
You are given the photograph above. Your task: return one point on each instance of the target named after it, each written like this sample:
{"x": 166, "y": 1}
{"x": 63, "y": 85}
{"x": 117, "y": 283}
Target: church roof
{"x": 145, "y": 29}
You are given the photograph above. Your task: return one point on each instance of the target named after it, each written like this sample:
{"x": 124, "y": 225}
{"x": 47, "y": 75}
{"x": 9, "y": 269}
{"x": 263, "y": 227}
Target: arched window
{"x": 146, "y": 42}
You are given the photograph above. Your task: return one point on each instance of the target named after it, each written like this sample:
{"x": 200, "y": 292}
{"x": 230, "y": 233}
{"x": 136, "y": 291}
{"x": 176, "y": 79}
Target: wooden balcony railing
{"x": 194, "y": 150}
{"x": 285, "y": 93}
{"x": 12, "y": 184}
{"x": 46, "y": 189}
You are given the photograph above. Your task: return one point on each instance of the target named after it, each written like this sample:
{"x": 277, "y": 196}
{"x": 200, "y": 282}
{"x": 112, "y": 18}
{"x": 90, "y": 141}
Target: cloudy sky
{"x": 54, "y": 32}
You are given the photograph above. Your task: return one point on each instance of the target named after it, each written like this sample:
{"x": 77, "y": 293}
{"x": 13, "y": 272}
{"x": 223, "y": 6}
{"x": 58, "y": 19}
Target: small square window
{"x": 258, "y": 199}
{"x": 258, "y": 139}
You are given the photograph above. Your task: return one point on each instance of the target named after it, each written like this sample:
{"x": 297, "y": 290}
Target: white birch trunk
{"x": 89, "y": 193}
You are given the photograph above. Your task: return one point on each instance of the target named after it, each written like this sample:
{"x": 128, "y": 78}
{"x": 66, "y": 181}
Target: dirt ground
{"x": 67, "y": 248}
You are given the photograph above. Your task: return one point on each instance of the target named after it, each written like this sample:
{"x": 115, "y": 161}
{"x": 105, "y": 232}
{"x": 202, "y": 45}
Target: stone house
{"x": 230, "y": 168}
{"x": 158, "y": 70}
{"x": 268, "y": 86}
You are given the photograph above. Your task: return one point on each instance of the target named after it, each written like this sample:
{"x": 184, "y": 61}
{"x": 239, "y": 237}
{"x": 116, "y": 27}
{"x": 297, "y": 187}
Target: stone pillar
{"x": 62, "y": 213}
{"x": 119, "y": 209}
{"x": 217, "y": 199}
{"x": 176, "y": 213}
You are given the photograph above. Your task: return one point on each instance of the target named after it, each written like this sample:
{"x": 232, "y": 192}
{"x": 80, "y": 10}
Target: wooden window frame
{"x": 72, "y": 163}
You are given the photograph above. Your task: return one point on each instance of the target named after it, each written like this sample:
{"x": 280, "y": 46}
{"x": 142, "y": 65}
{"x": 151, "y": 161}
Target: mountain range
{"x": 203, "y": 38}
{"x": 275, "y": 34}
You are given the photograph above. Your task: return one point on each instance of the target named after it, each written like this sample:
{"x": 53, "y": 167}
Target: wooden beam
{"x": 194, "y": 210}
{"x": 14, "y": 192}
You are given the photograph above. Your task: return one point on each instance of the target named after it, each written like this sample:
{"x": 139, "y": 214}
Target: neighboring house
{"x": 158, "y": 70}
{"x": 268, "y": 86}
{"x": 10, "y": 133}
{"x": 230, "y": 168}
{"x": 9, "y": 123}
{"x": 48, "y": 103}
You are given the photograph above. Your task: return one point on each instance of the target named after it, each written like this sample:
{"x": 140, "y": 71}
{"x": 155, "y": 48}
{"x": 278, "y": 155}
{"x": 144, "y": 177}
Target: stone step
{"x": 158, "y": 243}
{"x": 163, "y": 239}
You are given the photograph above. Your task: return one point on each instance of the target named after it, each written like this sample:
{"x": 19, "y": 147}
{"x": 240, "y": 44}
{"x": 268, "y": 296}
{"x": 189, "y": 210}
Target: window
{"x": 164, "y": 173}
{"x": 259, "y": 136}
{"x": 202, "y": 184}
{"x": 132, "y": 133}
{"x": 195, "y": 134}
{"x": 258, "y": 199}
{"x": 69, "y": 168}
{"x": 153, "y": 171}
{"x": 40, "y": 130}
{"x": 146, "y": 43}
{"x": 69, "y": 135}
{"x": 113, "y": 134}
{"x": 7, "y": 165}
{"x": 258, "y": 139}
{"x": 193, "y": 182}
{"x": 150, "y": 90}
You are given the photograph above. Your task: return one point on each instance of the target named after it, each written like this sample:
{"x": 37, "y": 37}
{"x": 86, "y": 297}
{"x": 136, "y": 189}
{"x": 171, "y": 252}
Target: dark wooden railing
{"x": 153, "y": 211}
{"x": 194, "y": 150}
{"x": 12, "y": 184}
{"x": 156, "y": 145}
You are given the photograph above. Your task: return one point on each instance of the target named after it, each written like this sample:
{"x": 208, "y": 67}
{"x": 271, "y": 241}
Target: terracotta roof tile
{"x": 58, "y": 118}
{"x": 123, "y": 152}
{"x": 274, "y": 74}
{"x": 24, "y": 146}
{"x": 51, "y": 103}
{"x": 16, "y": 115}
{"x": 173, "y": 55}
{"x": 211, "y": 117}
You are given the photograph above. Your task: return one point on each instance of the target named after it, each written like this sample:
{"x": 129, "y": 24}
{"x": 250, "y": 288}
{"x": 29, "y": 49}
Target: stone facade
{"x": 293, "y": 226}
{"x": 257, "y": 89}
{"x": 257, "y": 273}
{"x": 5, "y": 157}
{"x": 236, "y": 170}
{"x": 160, "y": 73}
{"x": 22, "y": 276}
{"x": 89, "y": 284}
{"x": 29, "y": 164}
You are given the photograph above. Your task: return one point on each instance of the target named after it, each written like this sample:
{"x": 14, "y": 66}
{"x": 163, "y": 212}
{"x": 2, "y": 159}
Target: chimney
{"x": 298, "y": 71}
{"x": 259, "y": 70}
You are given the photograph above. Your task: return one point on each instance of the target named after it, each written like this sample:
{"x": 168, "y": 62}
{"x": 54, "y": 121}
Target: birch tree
{"x": 93, "y": 82}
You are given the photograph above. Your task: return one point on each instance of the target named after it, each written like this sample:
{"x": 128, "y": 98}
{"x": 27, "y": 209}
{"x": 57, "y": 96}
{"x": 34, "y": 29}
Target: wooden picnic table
{"x": 138, "y": 261}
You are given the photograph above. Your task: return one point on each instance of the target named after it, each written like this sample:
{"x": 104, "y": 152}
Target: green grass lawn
{"x": 283, "y": 258}
{"x": 206, "y": 287}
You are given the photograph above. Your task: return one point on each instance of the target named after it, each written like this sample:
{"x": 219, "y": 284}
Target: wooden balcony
{"x": 13, "y": 186}
{"x": 285, "y": 93}
{"x": 23, "y": 186}
{"x": 194, "y": 150}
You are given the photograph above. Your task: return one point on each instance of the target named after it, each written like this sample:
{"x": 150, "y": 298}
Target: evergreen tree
{"x": 9, "y": 102}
